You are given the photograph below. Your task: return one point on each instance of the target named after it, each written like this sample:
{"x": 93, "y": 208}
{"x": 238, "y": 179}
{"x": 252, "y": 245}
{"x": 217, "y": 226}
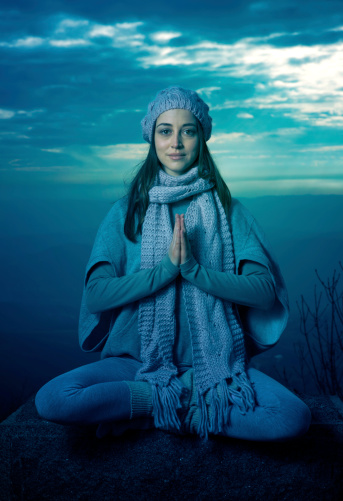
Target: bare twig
{"x": 320, "y": 355}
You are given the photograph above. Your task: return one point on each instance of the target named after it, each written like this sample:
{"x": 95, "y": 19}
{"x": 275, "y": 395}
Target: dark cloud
{"x": 227, "y": 18}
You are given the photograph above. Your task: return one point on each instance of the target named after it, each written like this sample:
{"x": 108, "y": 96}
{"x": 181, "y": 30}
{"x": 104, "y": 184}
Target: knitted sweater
{"x": 111, "y": 331}
{"x": 252, "y": 287}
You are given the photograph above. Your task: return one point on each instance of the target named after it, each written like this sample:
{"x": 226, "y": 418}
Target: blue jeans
{"x": 97, "y": 393}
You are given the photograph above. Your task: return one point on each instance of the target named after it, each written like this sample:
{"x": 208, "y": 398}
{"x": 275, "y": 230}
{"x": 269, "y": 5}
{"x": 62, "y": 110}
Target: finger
{"x": 177, "y": 228}
{"x": 183, "y": 232}
{"x": 183, "y": 227}
{"x": 185, "y": 244}
{"x": 176, "y": 224}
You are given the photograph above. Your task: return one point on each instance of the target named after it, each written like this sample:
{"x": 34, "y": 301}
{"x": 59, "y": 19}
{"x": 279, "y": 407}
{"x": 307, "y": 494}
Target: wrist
{"x": 171, "y": 267}
{"x": 188, "y": 265}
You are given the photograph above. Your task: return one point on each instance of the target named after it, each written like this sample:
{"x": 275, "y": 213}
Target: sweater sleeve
{"x": 253, "y": 287}
{"x": 105, "y": 291}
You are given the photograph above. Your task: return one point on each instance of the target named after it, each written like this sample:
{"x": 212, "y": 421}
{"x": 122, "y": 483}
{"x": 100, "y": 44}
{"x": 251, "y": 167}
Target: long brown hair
{"x": 138, "y": 191}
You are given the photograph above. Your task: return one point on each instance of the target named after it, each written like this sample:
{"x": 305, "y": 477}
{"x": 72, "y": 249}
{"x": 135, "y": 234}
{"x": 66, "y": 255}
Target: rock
{"x": 46, "y": 461}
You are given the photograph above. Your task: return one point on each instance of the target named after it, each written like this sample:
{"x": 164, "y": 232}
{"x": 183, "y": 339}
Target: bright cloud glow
{"x": 29, "y": 42}
{"x": 30, "y": 113}
{"x": 285, "y": 186}
{"x": 324, "y": 149}
{"x": 69, "y": 43}
{"x": 6, "y": 114}
{"x": 301, "y": 79}
{"x": 78, "y": 33}
{"x": 129, "y": 26}
{"x": 265, "y": 100}
{"x": 164, "y": 36}
{"x": 55, "y": 168}
{"x": 245, "y": 115}
{"x": 71, "y": 23}
{"x": 52, "y": 150}
{"x": 207, "y": 90}
{"x": 102, "y": 31}
{"x": 123, "y": 151}
{"x": 302, "y": 82}
{"x": 228, "y": 138}
{"x": 122, "y": 34}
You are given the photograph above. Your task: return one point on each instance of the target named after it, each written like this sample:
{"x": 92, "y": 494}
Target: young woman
{"x": 181, "y": 290}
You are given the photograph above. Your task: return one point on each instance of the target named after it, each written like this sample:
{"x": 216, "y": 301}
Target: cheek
{"x": 159, "y": 144}
{"x": 196, "y": 148}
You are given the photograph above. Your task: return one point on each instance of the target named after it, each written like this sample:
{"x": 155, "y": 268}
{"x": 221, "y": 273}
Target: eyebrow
{"x": 170, "y": 125}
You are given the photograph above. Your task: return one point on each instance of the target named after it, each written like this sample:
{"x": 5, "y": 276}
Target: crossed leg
{"x": 92, "y": 393}
{"x": 97, "y": 393}
{"x": 278, "y": 415}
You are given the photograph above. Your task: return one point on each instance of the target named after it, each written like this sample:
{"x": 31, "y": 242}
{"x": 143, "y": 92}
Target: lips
{"x": 176, "y": 157}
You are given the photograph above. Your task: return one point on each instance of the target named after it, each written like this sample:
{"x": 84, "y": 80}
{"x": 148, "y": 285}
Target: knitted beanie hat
{"x": 176, "y": 98}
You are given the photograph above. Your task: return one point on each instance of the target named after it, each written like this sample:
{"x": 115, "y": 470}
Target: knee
{"x": 42, "y": 402}
{"x": 296, "y": 420}
{"x": 49, "y": 403}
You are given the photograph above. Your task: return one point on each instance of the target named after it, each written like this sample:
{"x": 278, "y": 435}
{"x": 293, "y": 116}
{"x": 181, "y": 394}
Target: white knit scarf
{"x": 217, "y": 338}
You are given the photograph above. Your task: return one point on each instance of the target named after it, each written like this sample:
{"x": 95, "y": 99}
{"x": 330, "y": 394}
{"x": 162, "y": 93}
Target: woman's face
{"x": 176, "y": 141}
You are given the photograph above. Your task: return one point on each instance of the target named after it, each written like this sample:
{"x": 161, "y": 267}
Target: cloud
{"x": 30, "y": 113}
{"x": 245, "y": 115}
{"x": 6, "y": 114}
{"x": 323, "y": 149}
{"x": 129, "y": 26}
{"x": 164, "y": 36}
{"x": 338, "y": 28}
{"x": 71, "y": 33}
{"x": 329, "y": 121}
{"x": 29, "y": 42}
{"x": 296, "y": 186}
{"x": 52, "y": 150}
{"x": 55, "y": 168}
{"x": 102, "y": 31}
{"x": 239, "y": 137}
{"x": 69, "y": 43}
{"x": 302, "y": 80}
{"x": 128, "y": 151}
{"x": 208, "y": 90}
{"x": 66, "y": 24}
{"x": 230, "y": 137}
{"x": 286, "y": 131}
{"x": 122, "y": 35}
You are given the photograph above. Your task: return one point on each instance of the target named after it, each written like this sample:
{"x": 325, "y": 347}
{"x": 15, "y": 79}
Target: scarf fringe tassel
{"x": 165, "y": 402}
{"x": 215, "y": 405}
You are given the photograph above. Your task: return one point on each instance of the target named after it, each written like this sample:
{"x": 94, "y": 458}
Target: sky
{"x": 76, "y": 79}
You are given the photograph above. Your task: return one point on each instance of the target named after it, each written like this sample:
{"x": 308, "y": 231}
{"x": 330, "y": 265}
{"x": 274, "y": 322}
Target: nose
{"x": 177, "y": 141}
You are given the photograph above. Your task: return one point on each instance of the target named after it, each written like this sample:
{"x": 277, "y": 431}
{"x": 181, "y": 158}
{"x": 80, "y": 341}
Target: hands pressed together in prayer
{"x": 180, "y": 248}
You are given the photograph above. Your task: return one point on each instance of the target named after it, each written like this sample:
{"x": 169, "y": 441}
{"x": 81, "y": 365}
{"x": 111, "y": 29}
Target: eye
{"x": 164, "y": 132}
{"x": 189, "y": 132}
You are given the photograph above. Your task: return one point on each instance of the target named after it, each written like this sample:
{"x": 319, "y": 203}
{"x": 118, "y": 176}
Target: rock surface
{"x": 46, "y": 461}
